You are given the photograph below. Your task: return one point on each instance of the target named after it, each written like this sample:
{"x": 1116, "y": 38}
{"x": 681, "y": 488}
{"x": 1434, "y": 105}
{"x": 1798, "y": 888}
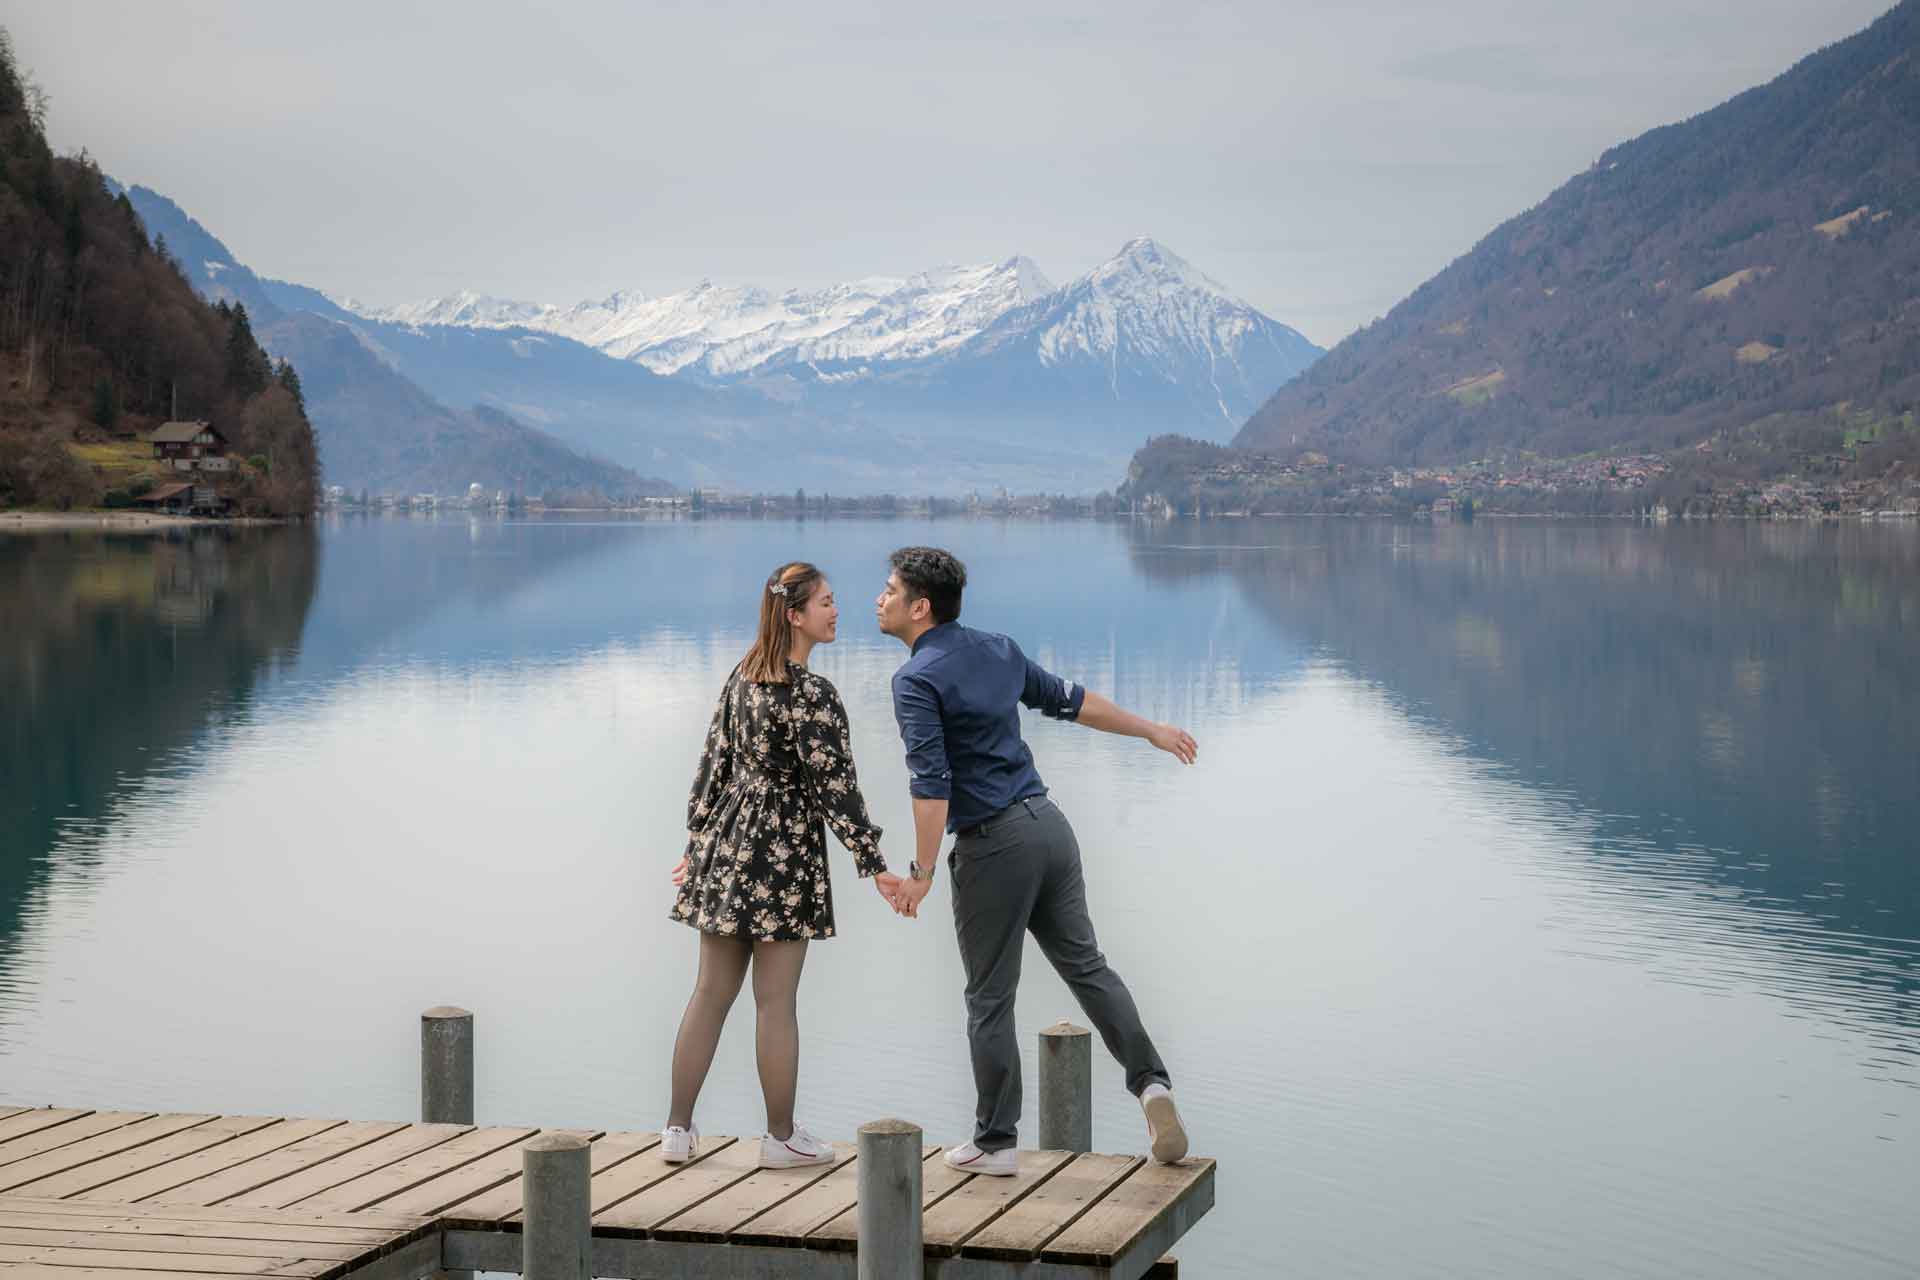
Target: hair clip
{"x": 778, "y": 588}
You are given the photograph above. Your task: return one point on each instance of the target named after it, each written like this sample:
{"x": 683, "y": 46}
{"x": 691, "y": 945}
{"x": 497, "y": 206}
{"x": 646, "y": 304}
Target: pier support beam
{"x": 891, "y": 1238}
{"x": 557, "y": 1238}
{"x": 1066, "y": 1088}
{"x": 446, "y": 1066}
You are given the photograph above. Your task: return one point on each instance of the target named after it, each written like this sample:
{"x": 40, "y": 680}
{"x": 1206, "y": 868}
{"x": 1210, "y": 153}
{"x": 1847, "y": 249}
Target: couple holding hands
{"x": 778, "y": 768}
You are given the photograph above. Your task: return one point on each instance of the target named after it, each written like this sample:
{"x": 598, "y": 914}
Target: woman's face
{"x": 819, "y": 619}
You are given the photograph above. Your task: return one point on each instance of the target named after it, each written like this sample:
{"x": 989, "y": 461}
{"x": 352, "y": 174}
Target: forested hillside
{"x": 102, "y": 339}
{"x": 1751, "y": 274}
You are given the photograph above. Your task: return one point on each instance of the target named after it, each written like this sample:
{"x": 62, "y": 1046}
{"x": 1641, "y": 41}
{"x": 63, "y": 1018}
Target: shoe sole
{"x": 794, "y": 1162}
{"x": 1169, "y": 1135}
{"x": 985, "y": 1171}
{"x": 667, "y": 1159}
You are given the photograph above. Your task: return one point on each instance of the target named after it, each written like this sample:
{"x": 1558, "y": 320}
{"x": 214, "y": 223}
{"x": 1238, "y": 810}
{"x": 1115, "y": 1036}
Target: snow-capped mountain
{"x": 1173, "y": 347}
{"x": 721, "y": 332}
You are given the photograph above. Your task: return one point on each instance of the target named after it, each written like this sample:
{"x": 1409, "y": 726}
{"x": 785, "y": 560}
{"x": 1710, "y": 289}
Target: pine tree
{"x": 246, "y": 365}
{"x": 289, "y": 379}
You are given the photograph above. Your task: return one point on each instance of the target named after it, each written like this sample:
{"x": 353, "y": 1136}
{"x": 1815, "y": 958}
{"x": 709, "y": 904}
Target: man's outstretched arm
{"x": 1097, "y": 712}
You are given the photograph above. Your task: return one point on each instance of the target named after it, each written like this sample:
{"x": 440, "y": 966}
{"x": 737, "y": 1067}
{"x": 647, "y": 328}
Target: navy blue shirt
{"x": 958, "y": 701}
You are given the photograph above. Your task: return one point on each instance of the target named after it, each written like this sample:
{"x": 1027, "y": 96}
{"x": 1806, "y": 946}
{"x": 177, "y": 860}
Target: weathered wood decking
{"x": 119, "y": 1195}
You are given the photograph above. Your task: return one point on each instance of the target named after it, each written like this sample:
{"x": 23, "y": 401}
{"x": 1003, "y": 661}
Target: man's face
{"x": 893, "y": 609}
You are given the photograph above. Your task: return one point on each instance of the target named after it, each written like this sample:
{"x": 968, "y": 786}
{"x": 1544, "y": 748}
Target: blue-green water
{"x": 1546, "y": 900}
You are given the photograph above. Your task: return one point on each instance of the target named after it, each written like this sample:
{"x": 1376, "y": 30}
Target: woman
{"x": 778, "y": 761}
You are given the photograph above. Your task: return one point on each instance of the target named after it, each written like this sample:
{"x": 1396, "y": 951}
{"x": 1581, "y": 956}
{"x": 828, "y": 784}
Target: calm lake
{"x": 1548, "y": 894}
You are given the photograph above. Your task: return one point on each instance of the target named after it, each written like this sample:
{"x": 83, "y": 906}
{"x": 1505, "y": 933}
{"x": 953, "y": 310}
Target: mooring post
{"x": 1066, "y": 1088}
{"x": 888, "y": 1185}
{"x": 446, "y": 1066}
{"x": 557, "y": 1236}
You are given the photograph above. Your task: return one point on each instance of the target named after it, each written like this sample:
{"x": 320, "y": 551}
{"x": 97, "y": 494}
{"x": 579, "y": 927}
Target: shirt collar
{"x": 944, "y": 627}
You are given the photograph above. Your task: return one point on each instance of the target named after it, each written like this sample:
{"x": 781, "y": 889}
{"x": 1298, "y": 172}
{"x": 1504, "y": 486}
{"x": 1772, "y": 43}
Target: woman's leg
{"x": 723, "y": 965}
{"x": 776, "y": 984}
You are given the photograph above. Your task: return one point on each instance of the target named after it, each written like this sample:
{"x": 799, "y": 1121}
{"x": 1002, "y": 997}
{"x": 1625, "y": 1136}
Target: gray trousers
{"x": 1016, "y": 872}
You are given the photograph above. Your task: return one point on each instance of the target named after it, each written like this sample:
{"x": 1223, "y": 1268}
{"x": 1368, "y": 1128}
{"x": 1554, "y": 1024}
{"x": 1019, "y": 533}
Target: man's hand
{"x": 912, "y": 894}
{"x": 680, "y": 872}
{"x": 1175, "y": 741}
{"x": 889, "y": 886}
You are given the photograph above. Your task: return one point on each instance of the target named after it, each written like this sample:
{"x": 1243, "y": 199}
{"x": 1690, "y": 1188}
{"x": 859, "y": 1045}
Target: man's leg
{"x": 995, "y": 880}
{"x": 1065, "y": 933}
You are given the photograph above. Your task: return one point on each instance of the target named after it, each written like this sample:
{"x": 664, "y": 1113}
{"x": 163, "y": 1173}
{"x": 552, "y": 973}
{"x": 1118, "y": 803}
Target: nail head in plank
{"x": 1107, "y": 1230}
{"x": 713, "y": 1220}
{"x": 274, "y": 1165}
{"x": 76, "y": 1127}
{"x": 177, "y": 1173}
{"x": 17, "y": 1176}
{"x": 349, "y": 1165}
{"x": 147, "y": 1156}
{"x": 680, "y": 1190}
{"x": 1018, "y": 1234}
{"x": 506, "y": 1200}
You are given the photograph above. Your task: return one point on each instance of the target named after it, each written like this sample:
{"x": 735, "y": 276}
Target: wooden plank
{"x": 315, "y": 1234}
{"x": 220, "y": 1263}
{"x": 177, "y": 1173}
{"x": 35, "y": 1119}
{"x": 1054, "y": 1205}
{"x": 491, "y": 1208}
{"x": 56, "y": 1134}
{"x": 12, "y": 1111}
{"x": 713, "y": 1220}
{"x": 980, "y": 1200}
{"x": 99, "y": 1173}
{"x": 841, "y": 1233}
{"x": 473, "y": 1178}
{"x": 424, "y": 1166}
{"x": 214, "y": 1187}
{"x": 75, "y": 1154}
{"x": 149, "y": 1242}
{"x": 636, "y": 1175}
{"x": 685, "y": 1186}
{"x": 372, "y": 1220}
{"x": 787, "y": 1224}
{"x": 48, "y": 1271}
{"x": 347, "y": 1166}
{"x": 1126, "y": 1213}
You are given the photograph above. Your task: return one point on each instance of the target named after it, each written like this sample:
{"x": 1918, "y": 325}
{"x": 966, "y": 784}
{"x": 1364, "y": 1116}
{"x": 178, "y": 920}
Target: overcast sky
{"x": 1318, "y": 159}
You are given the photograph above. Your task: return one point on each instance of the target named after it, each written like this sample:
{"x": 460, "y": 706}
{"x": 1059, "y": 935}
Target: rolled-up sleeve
{"x": 1048, "y": 694}
{"x": 916, "y": 707}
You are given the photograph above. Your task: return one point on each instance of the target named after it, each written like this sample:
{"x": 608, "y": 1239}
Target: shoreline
{"x": 136, "y": 521}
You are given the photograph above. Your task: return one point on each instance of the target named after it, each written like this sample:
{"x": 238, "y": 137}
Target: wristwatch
{"x": 917, "y": 872}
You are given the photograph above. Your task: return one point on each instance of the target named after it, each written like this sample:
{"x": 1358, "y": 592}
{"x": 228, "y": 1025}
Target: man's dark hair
{"x": 933, "y": 575}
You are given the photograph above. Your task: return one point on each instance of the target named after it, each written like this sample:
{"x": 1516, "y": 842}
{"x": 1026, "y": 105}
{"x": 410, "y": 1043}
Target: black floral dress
{"x": 778, "y": 761}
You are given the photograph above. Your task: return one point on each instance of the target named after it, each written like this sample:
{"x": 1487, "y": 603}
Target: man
{"x": 1015, "y": 863}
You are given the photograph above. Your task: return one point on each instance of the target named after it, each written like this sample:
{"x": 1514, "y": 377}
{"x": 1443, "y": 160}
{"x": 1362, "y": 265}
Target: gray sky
{"x": 1319, "y": 159}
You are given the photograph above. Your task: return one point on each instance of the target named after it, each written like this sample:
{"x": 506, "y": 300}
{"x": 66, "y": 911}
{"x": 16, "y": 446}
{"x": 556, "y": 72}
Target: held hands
{"x": 904, "y": 896}
{"x": 1175, "y": 741}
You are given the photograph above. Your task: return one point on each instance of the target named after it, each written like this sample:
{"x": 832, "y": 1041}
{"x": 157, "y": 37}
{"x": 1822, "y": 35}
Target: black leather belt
{"x": 1032, "y": 806}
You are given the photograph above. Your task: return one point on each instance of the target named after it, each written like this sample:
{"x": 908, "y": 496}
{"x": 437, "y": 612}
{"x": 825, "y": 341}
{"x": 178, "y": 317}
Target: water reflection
{"x": 1729, "y": 706}
{"x": 117, "y": 651}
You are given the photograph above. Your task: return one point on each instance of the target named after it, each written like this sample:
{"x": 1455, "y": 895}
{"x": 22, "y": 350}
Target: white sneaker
{"x": 995, "y": 1164}
{"x": 796, "y": 1152}
{"x": 677, "y": 1145}
{"x": 1168, "y": 1135}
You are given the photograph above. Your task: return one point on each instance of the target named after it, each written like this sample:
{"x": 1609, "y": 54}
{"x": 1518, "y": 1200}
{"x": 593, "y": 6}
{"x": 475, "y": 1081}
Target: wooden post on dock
{"x": 446, "y": 1066}
{"x": 891, "y": 1238}
{"x": 1066, "y": 1088}
{"x": 557, "y": 1238}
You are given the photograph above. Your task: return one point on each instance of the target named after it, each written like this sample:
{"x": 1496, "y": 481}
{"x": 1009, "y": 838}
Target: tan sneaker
{"x": 1168, "y": 1135}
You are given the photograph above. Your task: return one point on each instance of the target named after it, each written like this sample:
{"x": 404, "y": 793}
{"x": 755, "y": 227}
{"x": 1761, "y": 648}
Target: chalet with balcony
{"x": 191, "y": 446}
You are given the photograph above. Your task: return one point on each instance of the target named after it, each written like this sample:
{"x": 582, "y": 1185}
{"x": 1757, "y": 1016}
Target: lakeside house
{"x": 190, "y": 446}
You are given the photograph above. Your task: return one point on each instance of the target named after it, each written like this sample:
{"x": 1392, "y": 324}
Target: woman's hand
{"x": 680, "y": 871}
{"x": 889, "y": 886}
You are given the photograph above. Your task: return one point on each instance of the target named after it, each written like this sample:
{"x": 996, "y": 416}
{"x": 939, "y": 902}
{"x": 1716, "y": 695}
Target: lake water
{"x": 1546, "y": 900}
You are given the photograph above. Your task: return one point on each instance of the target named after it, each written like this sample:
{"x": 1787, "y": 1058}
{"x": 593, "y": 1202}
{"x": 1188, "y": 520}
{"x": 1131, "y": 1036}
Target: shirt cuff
{"x": 931, "y": 788}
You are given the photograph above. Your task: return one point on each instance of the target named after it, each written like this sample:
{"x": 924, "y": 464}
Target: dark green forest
{"x": 102, "y": 339}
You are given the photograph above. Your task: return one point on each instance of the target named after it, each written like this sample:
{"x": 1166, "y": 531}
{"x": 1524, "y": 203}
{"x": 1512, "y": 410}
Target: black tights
{"x": 776, "y": 984}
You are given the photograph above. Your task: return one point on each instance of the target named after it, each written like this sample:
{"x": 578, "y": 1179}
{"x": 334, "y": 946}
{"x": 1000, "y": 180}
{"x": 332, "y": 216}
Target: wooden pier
{"x": 120, "y": 1195}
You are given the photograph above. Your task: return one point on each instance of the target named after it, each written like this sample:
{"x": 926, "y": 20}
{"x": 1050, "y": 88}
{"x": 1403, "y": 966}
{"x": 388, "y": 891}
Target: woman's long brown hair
{"x": 766, "y": 662}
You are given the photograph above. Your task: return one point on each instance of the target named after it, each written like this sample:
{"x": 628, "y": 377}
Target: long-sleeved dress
{"x": 777, "y": 769}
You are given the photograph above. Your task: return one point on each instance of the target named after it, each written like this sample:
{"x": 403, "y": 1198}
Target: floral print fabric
{"x": 776, "y": 771}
